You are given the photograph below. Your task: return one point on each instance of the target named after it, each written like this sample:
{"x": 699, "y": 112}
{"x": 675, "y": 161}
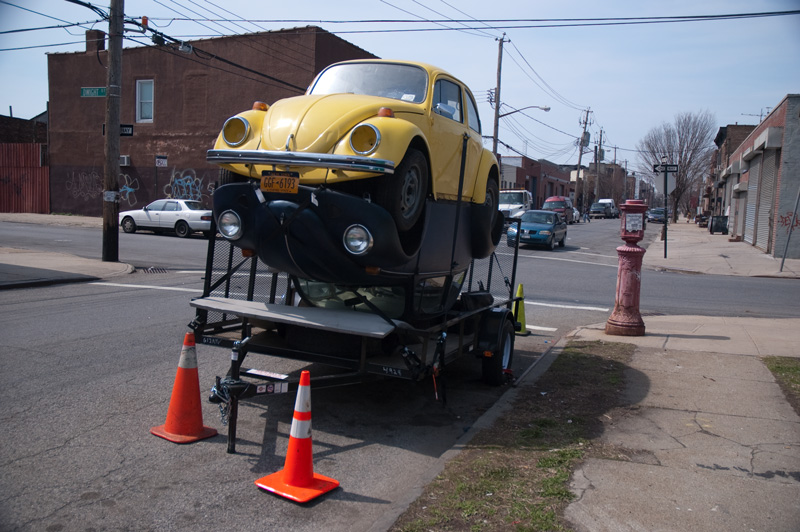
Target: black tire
{"x": 226, "y": 177}
{"x": 403, "y": 193}
{"x": 563, "y": 241}
{"x": 182, "y": 229}
{"x": 494, "y": 367}
{"x": 128, "y": 225}
{"x": 551, "y": 244}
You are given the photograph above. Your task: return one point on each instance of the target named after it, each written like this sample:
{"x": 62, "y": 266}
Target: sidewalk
{"x": 24, "y": 268}
{"x": 693, "y": 249}
{"x": 716, "y": 444}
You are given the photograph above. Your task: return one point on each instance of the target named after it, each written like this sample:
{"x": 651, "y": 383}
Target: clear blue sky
{"x": 633, "y": 77}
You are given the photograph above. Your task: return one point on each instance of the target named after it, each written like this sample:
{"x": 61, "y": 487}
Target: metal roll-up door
{"x": 752, "y": 199}
{"x": 766, "y": 200}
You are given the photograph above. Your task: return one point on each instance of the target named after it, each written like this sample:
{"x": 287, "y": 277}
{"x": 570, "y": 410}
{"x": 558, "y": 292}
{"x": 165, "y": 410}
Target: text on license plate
{"x": 280, "y": 182}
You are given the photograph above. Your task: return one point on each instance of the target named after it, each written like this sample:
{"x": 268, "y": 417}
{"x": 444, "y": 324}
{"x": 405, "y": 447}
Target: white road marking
{"x": 615, "y": 266}
{"x": 573, "y": 307}
{"x": 535, "y": 328}
{"x": 150, "y": 287}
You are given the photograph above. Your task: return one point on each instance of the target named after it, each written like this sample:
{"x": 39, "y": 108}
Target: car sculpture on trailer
{"x": 376, "y": 176}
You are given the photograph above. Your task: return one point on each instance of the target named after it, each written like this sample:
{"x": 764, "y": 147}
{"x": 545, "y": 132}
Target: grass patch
{"x": 786, "y": 371}
{"x": 515, "y": 476}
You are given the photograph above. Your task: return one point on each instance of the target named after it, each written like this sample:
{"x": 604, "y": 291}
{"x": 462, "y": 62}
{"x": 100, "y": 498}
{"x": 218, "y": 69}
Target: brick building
{"x": 762, "y": 174}
{"x": 174, "y": 100}
{"x": 542, "y": 178}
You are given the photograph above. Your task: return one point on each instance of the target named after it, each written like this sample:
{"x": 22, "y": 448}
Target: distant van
{"x": 560, "y": 204}
{"x": 612, "y": 206}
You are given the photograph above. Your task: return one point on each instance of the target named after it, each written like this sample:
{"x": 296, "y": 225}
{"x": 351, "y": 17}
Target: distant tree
{"x": 687, "y": 142}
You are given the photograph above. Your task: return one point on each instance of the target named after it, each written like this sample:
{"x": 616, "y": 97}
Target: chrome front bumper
{"x": 313, "y": 160}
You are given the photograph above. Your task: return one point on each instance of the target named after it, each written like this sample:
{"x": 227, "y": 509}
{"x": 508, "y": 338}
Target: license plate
{"x": 280, "y": 182}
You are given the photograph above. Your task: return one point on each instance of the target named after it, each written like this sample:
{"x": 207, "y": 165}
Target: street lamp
{"x": 497, "y": 116}
{"x": 545, "y": 108}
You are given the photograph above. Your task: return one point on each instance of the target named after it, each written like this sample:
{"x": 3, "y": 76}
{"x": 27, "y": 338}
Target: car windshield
{"x": 511, "y": 198}
{"x": 388, "y": 80}
{"x": 539, "y": 217}
{"x": 193, "y": 205}
{"x": 598, "y": 206}
{"x": 554, "y": 205}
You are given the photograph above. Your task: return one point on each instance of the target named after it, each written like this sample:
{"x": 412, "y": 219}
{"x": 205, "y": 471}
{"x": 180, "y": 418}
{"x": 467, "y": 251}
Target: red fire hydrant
{"x": 626, "y": 320}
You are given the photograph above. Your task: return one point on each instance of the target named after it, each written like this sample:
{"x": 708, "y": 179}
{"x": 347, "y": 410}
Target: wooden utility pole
{"x": 578, "y": 170}
{"x": 497, "y": 94}
{"x": 597, "y": 156}
{"x": 113, "y": 94}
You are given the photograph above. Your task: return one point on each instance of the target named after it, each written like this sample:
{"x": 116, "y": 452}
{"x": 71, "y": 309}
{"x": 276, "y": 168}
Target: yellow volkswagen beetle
{"x": 376, "y": 161}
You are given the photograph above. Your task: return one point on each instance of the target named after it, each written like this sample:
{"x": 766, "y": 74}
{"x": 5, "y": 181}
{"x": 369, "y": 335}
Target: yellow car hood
{"x": 315, "y": 123}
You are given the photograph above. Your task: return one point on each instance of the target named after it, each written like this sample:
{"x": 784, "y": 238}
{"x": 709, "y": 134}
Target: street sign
{"x": 670, "y": 168}
{"x": 93, "y": 92}
{"x": 161, "y": 161}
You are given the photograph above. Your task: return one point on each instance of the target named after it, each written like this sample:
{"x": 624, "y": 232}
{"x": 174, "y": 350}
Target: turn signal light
{"x": 386, "y": 112}
{"x": 248, "y": 253}
{"x": 260, "y": 106}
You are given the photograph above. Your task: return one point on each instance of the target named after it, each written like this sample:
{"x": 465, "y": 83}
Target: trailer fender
{"x": 496, "y": 345}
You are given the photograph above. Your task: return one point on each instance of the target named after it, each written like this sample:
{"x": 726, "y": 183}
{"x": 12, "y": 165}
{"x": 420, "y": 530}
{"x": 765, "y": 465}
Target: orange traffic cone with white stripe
{"x": 185, "y": 416}
{"x": 297, "y": 480}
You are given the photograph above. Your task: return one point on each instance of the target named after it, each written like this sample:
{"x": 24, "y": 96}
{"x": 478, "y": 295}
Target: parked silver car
{"x": 182, "y": 216}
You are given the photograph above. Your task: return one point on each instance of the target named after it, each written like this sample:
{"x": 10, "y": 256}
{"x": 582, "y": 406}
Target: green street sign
{"x": 93, "y": 92}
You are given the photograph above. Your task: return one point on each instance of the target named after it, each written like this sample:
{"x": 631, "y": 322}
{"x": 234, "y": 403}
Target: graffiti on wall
{"x": 127, "y": 189}
{"x": 184, "y": 184}
{"x": 84, "y": 185}
{"x": 785, "y": 220}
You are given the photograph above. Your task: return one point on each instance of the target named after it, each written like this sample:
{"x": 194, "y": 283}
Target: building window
{"x": 144, "y": 100}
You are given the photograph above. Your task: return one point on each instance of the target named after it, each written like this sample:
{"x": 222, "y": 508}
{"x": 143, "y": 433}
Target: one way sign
{"x": 669, "y": 168}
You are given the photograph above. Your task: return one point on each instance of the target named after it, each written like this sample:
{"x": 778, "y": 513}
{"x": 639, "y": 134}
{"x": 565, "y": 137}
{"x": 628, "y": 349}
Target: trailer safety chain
{"x": 412, "y": 361}
{"x": 219, "y": 394}
{"x": 438, "y": 367}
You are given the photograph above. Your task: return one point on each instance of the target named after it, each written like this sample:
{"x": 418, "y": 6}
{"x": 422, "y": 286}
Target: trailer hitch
{"x": 226, "y": 389}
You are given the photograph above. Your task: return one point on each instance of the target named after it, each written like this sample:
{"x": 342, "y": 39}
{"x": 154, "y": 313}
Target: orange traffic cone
{"x": 297, "y": 480}
{"x": 184, "y": 416}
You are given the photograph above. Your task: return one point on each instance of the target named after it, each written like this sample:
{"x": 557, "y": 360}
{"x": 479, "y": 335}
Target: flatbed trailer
{"x": 249, "y": 308}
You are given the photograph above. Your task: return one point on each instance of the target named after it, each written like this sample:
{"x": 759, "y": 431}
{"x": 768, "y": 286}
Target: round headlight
{"x": 230, "y": 225}
{"x": 357, "y": 240}
{"x": 235, "y": 131}
{"x": 365, "y": 139}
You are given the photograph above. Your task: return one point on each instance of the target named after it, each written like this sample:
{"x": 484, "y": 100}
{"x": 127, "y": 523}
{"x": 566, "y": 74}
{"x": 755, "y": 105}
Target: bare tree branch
{"x": 687, "y": 142}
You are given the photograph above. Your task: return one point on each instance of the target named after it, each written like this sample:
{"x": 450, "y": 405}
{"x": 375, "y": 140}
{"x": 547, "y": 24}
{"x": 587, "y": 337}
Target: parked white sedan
{"x": 182, "y": 216}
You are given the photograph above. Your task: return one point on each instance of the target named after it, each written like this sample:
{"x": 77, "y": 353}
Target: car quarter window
{"x": 473, "y": 118}
{"x": 447, "y": 99}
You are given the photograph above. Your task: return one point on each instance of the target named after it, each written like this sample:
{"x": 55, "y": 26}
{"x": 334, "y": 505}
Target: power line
{"x": 518, "y": 23}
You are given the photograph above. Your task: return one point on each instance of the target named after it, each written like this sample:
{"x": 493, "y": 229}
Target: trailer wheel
{"x": 494, "y": 366}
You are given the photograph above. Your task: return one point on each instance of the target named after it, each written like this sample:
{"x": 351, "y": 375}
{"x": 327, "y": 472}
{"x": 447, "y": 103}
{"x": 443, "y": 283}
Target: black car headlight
{"x": 235, "y": 131}
{"x": 230, "y": 225}
{"x": 365, "y": 139}
{"x": 357, "y": 240}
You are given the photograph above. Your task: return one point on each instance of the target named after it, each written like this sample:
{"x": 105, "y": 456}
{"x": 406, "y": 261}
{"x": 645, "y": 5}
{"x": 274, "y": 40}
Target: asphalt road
{"x": 88, "y": 370}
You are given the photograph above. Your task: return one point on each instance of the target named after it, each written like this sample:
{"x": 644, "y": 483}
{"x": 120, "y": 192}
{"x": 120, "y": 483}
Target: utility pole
{"x": 580, "y": 155}
{"x": 113, "y": 94}
{"x": 497, "y": 94}
{"x": 597, "y": 155}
